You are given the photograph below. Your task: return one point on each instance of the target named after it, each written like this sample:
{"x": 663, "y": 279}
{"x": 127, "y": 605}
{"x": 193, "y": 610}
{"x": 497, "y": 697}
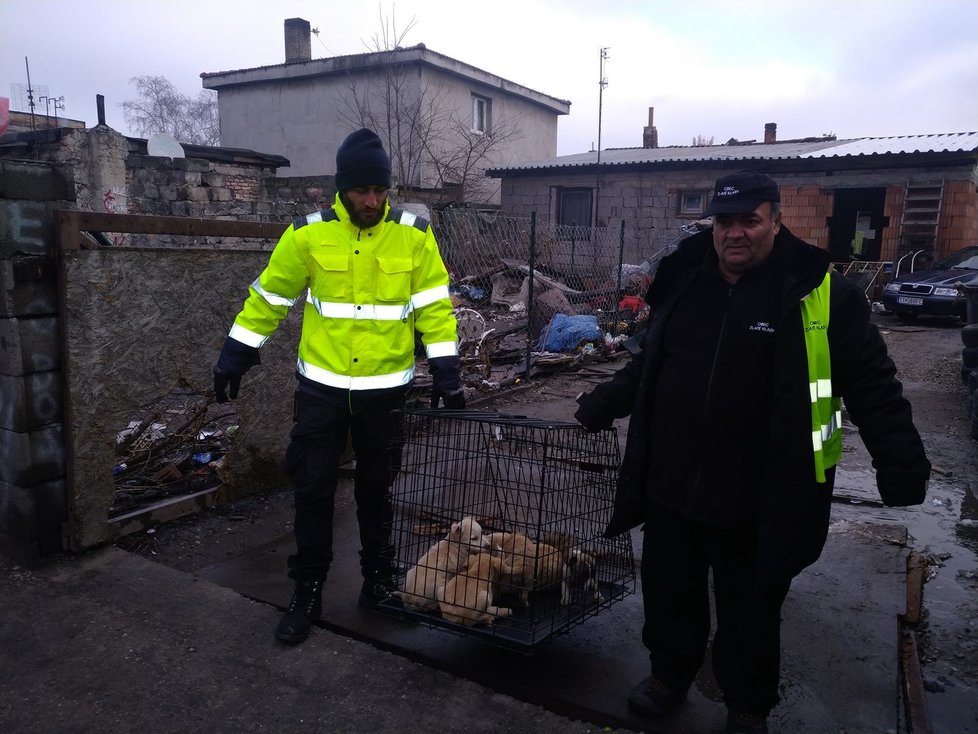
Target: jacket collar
{"x": 804, "y": 265}
{"x": 344, "y": 215}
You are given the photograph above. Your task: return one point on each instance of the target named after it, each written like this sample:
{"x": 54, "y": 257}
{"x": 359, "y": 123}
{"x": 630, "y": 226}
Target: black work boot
{"x": 380, "y": 572}
{"x": 378, "y": 585}
{"x": 652, "y": 698}
{"x": 739, "y": 722}
{"x": 304, "y": 609}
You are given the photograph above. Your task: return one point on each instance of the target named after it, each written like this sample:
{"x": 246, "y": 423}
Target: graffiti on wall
{"x": 114, "y": 202}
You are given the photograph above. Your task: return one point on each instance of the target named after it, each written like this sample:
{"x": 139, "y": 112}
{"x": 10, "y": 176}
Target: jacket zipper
{"x": 709, "y": 383}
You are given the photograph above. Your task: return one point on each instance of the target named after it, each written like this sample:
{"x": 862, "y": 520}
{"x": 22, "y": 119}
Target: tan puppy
{"x": 467, "y": 598}
{"x": 580, "y": 568}
{"x": 529, "y": 562}
{"x": 441, "y": 562}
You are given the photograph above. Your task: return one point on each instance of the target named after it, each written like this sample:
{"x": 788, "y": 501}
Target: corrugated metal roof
{"x": 935, "y": 143}
{"x": 807, "y": 148}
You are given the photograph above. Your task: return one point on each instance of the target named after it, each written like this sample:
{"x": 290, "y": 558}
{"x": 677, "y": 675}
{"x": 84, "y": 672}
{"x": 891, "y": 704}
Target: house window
{"x": 481, "y": 114}
{"x": 692, "y": 203}
{"x": 574, "y": 207}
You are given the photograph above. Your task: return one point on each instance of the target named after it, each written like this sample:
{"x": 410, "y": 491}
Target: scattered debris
{"x": 172, "y": 447}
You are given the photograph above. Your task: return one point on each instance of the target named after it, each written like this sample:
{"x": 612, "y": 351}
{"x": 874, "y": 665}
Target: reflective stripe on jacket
{"x": 366, "y": 292}
{"x": 826, "y": 408}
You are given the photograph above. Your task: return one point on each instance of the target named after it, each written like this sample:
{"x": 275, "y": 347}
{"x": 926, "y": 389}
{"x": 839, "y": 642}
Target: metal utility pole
{"x": 602, "y": 83}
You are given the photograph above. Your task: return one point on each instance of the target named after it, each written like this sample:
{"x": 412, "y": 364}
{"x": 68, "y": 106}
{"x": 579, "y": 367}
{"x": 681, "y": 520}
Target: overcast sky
{"x": 710, "y": 68}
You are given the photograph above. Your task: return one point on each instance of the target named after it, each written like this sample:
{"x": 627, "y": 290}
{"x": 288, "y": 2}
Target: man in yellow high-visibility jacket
{"x": 371, "y": 276}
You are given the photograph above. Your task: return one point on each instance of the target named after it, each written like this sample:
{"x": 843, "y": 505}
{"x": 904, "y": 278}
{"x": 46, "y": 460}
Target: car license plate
{"x": 910, "y": 301}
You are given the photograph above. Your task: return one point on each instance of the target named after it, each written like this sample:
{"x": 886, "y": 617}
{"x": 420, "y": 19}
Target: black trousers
{"x": 317, "y": 442}
{"x": 677, "y": 556}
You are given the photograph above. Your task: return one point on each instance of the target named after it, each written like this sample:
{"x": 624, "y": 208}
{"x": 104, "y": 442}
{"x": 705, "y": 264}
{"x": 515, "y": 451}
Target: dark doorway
{"x": 856, "y": 227}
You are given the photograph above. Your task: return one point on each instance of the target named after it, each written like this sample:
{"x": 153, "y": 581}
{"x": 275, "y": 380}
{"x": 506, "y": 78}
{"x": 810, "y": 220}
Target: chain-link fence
{"x": 580, "y": 280}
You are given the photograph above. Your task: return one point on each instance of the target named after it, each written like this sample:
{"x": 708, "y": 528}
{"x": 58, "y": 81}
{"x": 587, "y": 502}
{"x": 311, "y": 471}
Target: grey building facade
{"x": 451, "y": 120}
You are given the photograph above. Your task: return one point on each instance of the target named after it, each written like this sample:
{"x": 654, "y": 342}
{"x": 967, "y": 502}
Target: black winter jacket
{"x": 792, "y": 508}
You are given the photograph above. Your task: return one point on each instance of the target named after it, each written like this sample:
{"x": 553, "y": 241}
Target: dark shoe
{"x": 652, "y": 698}
{"x": 304, "y": 609}
{"x": 375, "y": 589}
{"x": 739, "y": 722}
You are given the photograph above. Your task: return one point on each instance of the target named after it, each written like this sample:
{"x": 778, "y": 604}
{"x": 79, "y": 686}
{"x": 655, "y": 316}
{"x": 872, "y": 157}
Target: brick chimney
{"x": 771, "y": 132}
{"x": 650, "y": 136}
{"x": 298, "y": 43}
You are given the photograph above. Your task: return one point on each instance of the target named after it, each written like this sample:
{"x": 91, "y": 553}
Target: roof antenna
{"x": 30, "y": 103}
{"x": 602, "y": 83}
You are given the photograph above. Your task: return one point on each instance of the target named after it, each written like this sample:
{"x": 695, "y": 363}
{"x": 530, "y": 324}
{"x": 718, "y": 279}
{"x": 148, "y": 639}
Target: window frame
{"x": 685, "y": 208}
{"x": 481, "y": 114}
{"x": 575, "y": 191}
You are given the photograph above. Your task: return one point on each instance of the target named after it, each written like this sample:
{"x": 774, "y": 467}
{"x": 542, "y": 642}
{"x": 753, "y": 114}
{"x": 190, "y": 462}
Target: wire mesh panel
{"x": 498, "y": 525}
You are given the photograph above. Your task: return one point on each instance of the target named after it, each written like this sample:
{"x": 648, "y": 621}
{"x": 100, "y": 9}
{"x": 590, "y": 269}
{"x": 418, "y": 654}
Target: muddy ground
{"x": 943, "y": 530}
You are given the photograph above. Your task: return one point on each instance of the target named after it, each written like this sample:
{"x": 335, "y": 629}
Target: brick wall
{"x": 113, "y": 173}
{"x": 649, "y": 203}
{"x": 959, "y": 217}
{"x": 806, "y": 210}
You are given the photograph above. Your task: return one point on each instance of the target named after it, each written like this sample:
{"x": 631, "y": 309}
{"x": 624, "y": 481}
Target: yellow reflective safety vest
{"x": 366, "y": 292}
{"x": 826, "y": 408}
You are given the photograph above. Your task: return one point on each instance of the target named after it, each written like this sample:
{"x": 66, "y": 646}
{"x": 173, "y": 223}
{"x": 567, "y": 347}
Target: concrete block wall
{"x": 189, "y": 187}
{"x": 33, "y": 489}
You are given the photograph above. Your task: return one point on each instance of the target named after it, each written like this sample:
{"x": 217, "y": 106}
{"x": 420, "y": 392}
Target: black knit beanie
{"x": 362, "y": 161}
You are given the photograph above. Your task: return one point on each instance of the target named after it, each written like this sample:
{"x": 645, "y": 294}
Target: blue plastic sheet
{"x": 565, "y": 333}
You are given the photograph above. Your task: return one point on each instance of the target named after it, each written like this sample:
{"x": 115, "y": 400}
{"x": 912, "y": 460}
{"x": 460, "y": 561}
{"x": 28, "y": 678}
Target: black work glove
{"x": 592, "y": 414}
{"x": 236, "y": 359}
{"x": 446, "y": 386}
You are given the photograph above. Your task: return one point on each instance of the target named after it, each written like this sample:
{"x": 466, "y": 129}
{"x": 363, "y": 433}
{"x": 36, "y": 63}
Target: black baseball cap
{"x": 742, "y": 192}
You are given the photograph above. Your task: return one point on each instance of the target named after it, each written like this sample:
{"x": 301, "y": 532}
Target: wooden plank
{"x": 67, "y": 230}
{"x": 164, "y": 511}
{"x": 148, "y": 224}
{"x": 913, "y": 685}
{"x": 915, "y": 588}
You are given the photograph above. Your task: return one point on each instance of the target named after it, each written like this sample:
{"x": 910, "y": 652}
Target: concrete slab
{"x": 840, "y": 655}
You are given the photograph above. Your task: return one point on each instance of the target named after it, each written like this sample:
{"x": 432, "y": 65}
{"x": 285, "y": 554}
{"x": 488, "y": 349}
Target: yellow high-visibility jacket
{"x": 366, "y": 291}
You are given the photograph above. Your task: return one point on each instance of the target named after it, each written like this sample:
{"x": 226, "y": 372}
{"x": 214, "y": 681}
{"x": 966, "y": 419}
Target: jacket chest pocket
{"x": 332, "y": 278}
{"x": 394, "y": 279}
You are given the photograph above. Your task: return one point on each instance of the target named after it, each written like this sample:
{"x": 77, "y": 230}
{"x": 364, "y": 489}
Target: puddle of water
{"x": 944, "y": 529}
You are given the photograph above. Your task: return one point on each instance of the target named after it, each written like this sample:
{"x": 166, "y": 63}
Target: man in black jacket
{"x": 734, "y": 435}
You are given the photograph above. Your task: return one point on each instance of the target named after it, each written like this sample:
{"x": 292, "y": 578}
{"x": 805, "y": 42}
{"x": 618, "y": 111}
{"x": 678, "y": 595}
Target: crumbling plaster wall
{"x": 135, "y": 323}
{"x": 141, "y": 321}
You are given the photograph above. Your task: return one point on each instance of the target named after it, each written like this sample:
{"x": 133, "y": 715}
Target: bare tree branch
{"x": 160, "y": 108}
{"x": 430, "y": 140}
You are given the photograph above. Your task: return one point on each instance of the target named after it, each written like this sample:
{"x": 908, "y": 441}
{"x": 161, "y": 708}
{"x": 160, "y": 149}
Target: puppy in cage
{"x": 580, "y": 568}
{"x": 531, "y": 564}
{"x": 467, "y": 598}
{"x": 440, "y": 563}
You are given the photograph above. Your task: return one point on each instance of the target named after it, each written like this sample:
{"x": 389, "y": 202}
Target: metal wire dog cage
{"x": 541, "y": 494}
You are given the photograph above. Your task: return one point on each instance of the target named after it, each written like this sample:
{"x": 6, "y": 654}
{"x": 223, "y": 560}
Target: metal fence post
{"x": 529, "y": 294}
{"x": 621, "y": 261}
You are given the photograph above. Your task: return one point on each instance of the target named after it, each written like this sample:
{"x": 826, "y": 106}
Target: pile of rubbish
{"x": 174, "y": 447}
{"x": 565, "y": 327}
